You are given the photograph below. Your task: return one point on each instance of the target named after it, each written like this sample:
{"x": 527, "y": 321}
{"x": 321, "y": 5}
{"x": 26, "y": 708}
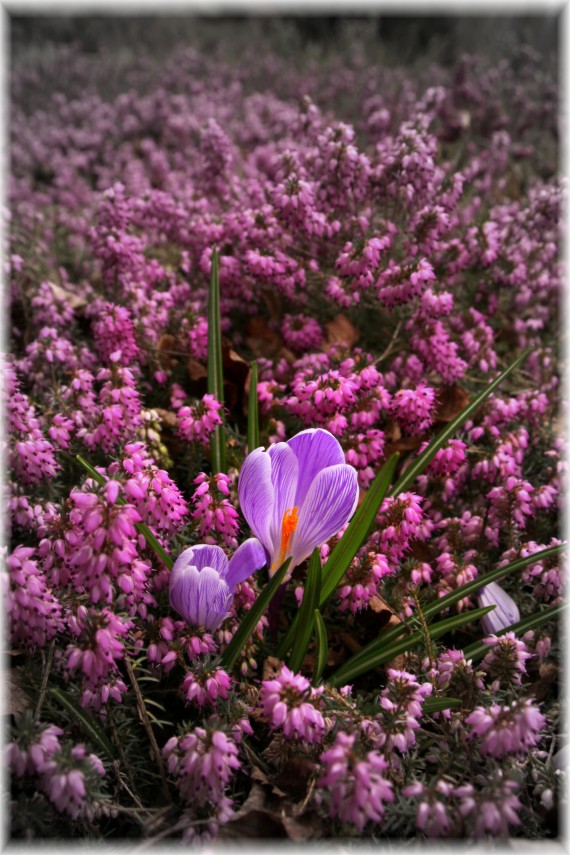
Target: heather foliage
{"x": 387, "y": 243}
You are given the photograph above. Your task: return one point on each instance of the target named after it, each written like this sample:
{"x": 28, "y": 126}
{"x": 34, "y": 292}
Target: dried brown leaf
{"x": 450, "y": 401}
{"x": 341, "y": 331}
{"x": 74, "y": 300}
{"x": 15, "y": 700}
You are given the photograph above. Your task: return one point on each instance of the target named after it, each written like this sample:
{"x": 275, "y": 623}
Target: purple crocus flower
{"x": 297, "y": 495}
{"x": 202, "y": 580}
{"x": 505, "y": 612}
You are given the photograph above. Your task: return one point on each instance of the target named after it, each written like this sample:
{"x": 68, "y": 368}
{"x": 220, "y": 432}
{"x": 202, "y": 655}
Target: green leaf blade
{"x": 477, "y": 650}
{"x": 357, "y": 530}
{"x": 215, "y": 364}
{"x": 378, "y": 653}
{"x": 431, "y": 705}
{"x": 253, "y": 411}
{"x": 250, "y": 621}
{"x": 321, "y": 646}
{"x": 88, "y": 724}
{"x": 307, "y": 612}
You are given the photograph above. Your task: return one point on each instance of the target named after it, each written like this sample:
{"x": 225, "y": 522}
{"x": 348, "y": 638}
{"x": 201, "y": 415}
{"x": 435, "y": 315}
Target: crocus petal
{"x": 284, "y": 473}
{"x": 203, "y": 555}
{"x": 330, "y": 502}
{"x": 315, "y": 449}
{"x": 505, "y": 613}
{"x": 250, "y": 556}
{"x": 257, "y": 496}
{"x": 201, "y": 597}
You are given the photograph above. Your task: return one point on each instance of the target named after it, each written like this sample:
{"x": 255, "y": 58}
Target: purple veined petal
{"x": 330, "y": 502}
{"x": 201, "y": 597}
{"x": 213, "y": 600}
{"x": 204, "y": 555}
{"x": 505, "y": 613}
{"x": 315, "y": 449}
{"x": 248, "y": 558}
{"x": 284, "y": 474}
{"x": 256, "y": 495}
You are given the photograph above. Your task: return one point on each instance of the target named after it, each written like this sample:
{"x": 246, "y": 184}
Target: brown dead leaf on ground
{"x": 15, "y": 700}
{"x": 549, "y": 672}
{"x": 165, "y": 344}
{"x": 262, "y": 339}
{"x": 450, "y": 401}
{"x": 341, "y": 331}
{"x": 66, "y": 296}
{"x": 196, "y": 371}
{"x": 267, "y": 815}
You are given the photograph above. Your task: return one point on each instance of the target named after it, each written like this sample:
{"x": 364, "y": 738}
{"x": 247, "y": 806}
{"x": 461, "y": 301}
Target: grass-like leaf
{"x": 477, "y": 650}
{"x": 310, "y": 602}
{"x": 90, "y": 727}
{"x": 140, "y": 527}
{"x": 470, "y": 588}
{"x": 253, "y": 411}
{"x": 357, "y": 531}
{"x": 321, "y": 646}
{"x": 431, "y": 705}
{"x": 215, "y": 366}
{"x": 349, "y": 544}
{"x": 249, "y": 622}
{"x": 378, "y": 653}
{"x": 438, "y": 442}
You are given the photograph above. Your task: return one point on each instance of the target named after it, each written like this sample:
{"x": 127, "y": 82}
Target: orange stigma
{"x": 288, "y": 526}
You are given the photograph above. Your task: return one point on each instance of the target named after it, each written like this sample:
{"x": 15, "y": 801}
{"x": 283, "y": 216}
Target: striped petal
{"x": 315, "y": 449}
{"x": 505, "y": 612}
{"x": 257, "y": 496}
{"x": 330, "y": 502}
{"x": 201, "y": 597}
{"x": 250, "y": 556}
{"x": 284, "y": 474}
{"x": 203, "y": 555}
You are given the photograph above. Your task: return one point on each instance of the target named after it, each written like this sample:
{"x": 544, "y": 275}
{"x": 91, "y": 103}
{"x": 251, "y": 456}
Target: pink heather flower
{"x": 31, "y": 456}
{"x": 301, "y": 333}
{"x": 401, "y": 520}
{"x": 285, "y": 703}
{"x": 216, "y": 517}
{"x": 511, "y": 503}
{"x": 494, "y": 816}
{"x": 35, "y": 614}
{"x": 30, "y": 750}
{"x": 206, "y": 686}
{"x": 203, "y": 763}
{"x": 99, "y": 645}
{"x": 99, "y": 550}
{"x": 394, "y": 726}
{"x": 157, "y": 499}
{"x": 431, "y": 814}
{"x": 360, "y": 582}
{"x": 506, "y": 730}
{"x": 505, "y": 661}
{"x": 197, "y": 423}
{"x": 396, "y": 285}
{"x": 113, "y": 332}
{"x": 67, "y": 777}
{"x": 413, "y": 408}
{"x": 355, "y": 783}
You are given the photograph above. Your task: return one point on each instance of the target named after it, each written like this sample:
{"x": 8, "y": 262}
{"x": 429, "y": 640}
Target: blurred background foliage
{"x": 392, "y": 38}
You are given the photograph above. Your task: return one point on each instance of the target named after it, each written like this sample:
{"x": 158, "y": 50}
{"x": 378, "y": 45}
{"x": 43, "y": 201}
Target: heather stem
{"x": 148, "y": 727}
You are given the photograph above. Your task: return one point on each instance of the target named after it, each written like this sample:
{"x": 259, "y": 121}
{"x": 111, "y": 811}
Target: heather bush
{"x": 383, "y": 242}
